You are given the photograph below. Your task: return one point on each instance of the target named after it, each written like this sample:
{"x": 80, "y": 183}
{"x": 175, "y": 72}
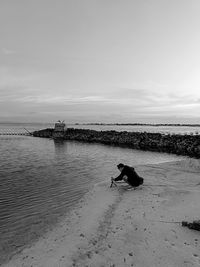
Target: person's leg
{"x": 125, "y": 178}
{"x": 141, "y": 180}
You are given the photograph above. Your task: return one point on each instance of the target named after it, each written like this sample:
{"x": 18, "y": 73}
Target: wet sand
{"x": 118, "y": 227}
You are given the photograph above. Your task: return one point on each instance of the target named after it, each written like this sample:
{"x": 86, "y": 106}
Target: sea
{"x": 42, "y": 179}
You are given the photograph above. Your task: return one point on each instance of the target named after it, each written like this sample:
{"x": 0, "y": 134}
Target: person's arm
{"x": 120, "y": 177}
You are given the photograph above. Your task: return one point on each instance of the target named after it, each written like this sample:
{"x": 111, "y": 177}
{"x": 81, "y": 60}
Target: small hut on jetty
{"x": 59, "y": 130}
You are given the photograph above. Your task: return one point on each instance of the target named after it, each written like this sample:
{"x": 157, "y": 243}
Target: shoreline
{"x": 117, "y": 227}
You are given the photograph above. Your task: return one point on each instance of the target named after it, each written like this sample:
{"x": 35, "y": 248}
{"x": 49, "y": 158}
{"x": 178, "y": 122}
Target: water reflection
{"x": 60, "y": 147}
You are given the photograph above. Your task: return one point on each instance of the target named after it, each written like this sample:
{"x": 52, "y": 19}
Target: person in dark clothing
{"x": 129, "y": 175}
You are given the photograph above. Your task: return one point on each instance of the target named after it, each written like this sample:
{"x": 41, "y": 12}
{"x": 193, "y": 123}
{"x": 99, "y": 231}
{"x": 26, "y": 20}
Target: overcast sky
{"x": 100, "y": 60}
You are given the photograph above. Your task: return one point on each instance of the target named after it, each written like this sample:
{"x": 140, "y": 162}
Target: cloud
{"x": 156, "y": 98}
{"x": 7, "y": 51}
{"x": 133, "y": 99}
{"x": 13, "y": 93}
{"x": 123, "y": 102}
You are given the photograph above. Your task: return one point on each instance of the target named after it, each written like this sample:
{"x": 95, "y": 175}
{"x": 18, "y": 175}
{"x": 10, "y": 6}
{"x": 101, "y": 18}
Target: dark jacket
{"x": 133, "y": 178}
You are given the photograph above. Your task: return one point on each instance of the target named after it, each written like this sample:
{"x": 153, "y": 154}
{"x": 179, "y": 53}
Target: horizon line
{"x": 116, "y": 124}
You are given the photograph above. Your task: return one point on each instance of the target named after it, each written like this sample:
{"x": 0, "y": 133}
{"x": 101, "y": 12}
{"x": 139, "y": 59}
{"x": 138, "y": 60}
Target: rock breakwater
{"x": 187, "y": 145}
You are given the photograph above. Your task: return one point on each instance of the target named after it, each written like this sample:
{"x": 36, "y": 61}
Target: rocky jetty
{"x": 187, "y": 145}
{"x": 47, "y": 133}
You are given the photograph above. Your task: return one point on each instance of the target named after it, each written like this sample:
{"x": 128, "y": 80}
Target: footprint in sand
{"x": 170, "y": 243}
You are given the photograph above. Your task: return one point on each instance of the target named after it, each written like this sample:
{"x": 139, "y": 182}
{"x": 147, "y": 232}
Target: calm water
{"x": 41, "y": 180}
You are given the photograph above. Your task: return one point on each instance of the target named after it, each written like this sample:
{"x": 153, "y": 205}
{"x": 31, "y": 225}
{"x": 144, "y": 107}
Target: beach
{"x": 119, "y": 227}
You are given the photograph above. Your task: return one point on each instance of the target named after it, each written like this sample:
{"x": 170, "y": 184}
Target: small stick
{"x": 164, "y": 221}
{"x": 28, "y": 131}
{"x": 154, "y": 185}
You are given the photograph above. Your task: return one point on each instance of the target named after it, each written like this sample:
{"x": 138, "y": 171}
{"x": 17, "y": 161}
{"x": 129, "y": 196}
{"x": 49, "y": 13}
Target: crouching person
{"x": 129, "y": 175}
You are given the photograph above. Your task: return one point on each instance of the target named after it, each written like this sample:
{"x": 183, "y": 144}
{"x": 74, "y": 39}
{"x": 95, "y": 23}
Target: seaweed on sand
{"x": 195, "y": 225}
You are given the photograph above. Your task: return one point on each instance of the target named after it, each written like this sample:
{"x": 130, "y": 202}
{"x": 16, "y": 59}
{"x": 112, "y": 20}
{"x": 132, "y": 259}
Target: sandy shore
{"x": 116, "y": 227}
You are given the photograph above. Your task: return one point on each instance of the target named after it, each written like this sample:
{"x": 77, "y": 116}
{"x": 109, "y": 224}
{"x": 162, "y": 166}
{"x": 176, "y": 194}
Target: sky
{"x": 110, "y": 61}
